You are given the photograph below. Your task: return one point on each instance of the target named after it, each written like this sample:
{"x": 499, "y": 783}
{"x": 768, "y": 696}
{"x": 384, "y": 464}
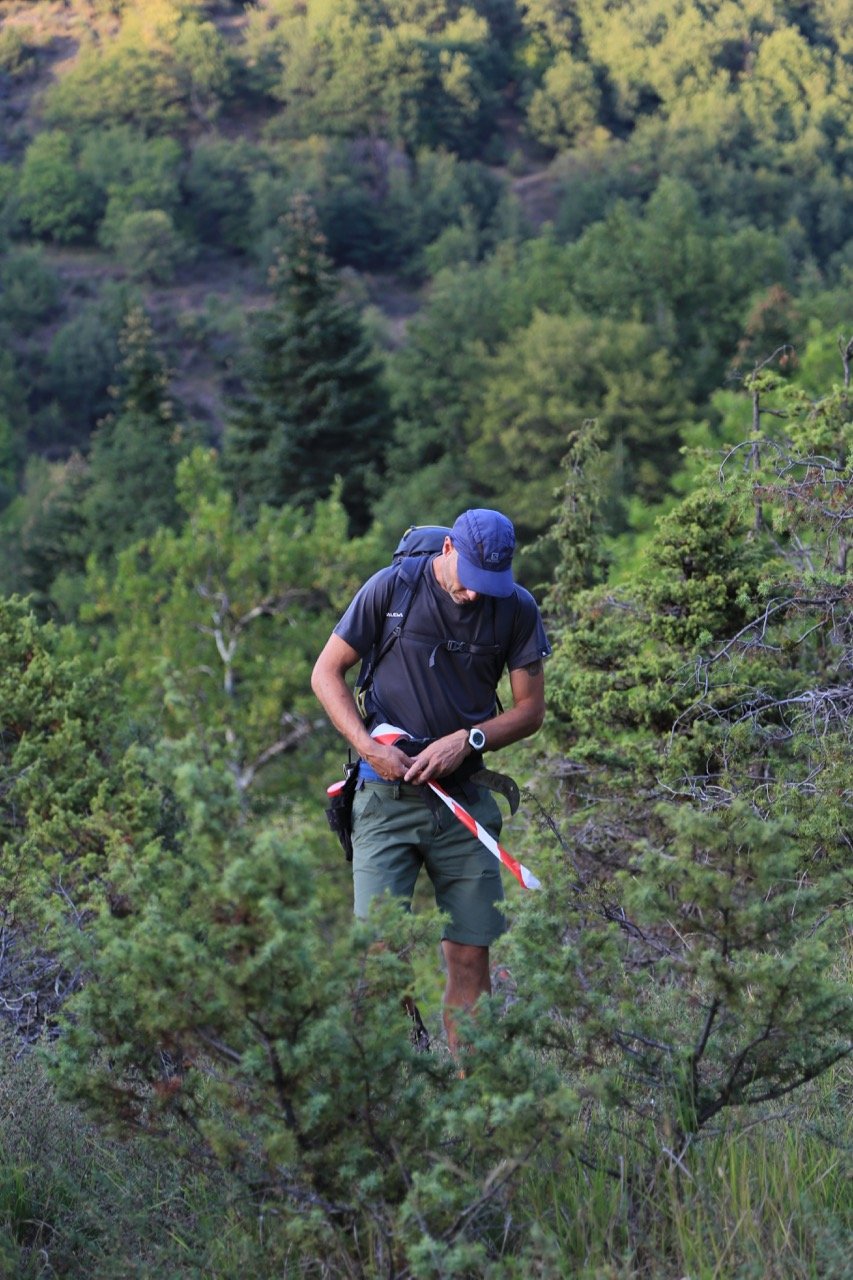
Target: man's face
{"x": 449, "y": 576}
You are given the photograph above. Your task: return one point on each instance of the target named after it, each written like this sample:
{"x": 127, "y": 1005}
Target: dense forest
{"x": 278, "y": 280}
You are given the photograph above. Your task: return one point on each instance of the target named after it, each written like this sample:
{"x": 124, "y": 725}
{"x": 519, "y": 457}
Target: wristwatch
{"x": 476, "y": 739}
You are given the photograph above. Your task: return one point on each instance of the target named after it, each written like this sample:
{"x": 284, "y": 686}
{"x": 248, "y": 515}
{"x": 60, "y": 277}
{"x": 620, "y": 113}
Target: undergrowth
{"x": 761, "y": 1199}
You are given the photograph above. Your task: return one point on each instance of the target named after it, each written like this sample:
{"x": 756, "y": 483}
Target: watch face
{"x": 477, "y": 739}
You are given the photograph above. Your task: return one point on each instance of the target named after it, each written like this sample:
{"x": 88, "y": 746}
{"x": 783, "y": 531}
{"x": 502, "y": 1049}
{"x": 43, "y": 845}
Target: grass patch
{"x": 767, "y": 1198}
{"x": 76, "y": 1202}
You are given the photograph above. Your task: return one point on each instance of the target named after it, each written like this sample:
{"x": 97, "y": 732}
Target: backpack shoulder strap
{"x": 409, "y": 575}
{"x": 505, "y": 614}
{"x": 503, "y": 619}
{"x": 410, "y": 571}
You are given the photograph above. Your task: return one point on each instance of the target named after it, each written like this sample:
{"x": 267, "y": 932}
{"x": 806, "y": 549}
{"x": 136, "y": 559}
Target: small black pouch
{"x": 339, "y": 812}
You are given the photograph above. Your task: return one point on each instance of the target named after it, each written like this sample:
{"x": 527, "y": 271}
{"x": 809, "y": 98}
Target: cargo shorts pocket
{"x": 366, "y": 804}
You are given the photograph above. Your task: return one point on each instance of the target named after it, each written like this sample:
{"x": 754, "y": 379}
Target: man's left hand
{"x": 439, "y": 758}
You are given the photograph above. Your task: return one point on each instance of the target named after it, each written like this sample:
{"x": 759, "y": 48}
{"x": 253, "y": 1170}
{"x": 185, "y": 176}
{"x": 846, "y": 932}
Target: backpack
{"x": 415, "y": 550}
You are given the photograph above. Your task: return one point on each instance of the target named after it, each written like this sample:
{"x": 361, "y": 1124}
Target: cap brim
{"x": 487, "y": 582}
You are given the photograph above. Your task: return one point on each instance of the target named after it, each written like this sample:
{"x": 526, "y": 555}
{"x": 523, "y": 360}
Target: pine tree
{"x": 701, "y": 703}
{"x": 579, "y": 524}
{"x": 135, "y": 450}
{"x": 314, "y": 406}
{"x": 53, "y": 529}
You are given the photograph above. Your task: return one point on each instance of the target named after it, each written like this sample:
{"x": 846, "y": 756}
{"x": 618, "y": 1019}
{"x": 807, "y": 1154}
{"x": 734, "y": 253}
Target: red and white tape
{"x": 388, "y": 734}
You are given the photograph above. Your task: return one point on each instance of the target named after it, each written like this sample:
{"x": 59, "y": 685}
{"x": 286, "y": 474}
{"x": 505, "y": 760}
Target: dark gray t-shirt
{"x": 419, "y": 685}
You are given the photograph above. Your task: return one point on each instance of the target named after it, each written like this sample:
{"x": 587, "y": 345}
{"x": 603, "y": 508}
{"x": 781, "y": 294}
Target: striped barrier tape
{"x": 388, "y": 735}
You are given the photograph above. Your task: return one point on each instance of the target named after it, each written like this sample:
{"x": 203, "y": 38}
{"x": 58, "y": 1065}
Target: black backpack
{"x": 420, "y": 541}
{"x": 417, "y": 547}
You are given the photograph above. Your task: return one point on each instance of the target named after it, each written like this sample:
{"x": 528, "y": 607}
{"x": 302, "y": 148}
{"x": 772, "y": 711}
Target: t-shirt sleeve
{"x": 364, "y": 621}
{"x": 529, "y": 642}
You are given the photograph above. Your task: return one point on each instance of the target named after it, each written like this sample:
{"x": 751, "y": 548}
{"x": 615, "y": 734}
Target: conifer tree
{"x": 314, "y": 406}
{"x": 579, "y": 524}
{"x": 71, "y": 799}
{"x": 701, "y": 703}
{"x": 53, "y": 530}
{"x": 10, "y": 460}
{"x": 135, "y": 450}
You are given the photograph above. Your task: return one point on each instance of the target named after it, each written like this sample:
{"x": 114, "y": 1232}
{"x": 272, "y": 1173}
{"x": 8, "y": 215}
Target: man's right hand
{"x": 388, "y": 761}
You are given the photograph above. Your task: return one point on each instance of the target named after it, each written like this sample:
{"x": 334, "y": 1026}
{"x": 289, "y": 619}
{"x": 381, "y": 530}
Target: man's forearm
{"x": 517, "y": 722}
{"x": 336, "y": 699}
{"x": 332, "y": 691}
{"x": 527, "y": 712}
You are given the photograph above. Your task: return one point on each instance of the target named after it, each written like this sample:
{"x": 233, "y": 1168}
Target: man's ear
{"x": 447, "y": 546}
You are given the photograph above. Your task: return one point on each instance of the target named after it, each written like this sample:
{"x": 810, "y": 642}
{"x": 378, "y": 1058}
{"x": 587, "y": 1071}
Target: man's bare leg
{"x": 468, "y": 978}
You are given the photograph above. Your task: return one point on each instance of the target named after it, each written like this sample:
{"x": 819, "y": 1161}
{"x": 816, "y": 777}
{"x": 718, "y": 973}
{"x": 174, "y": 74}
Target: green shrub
{"x": 29, "y": 290}
{"x": 14, "y": 46}
{"x": 11, "y": 460}
{"x": 82, "y": 359}
{"x": 218, "y": 186}
{"x": 148, "y": 246}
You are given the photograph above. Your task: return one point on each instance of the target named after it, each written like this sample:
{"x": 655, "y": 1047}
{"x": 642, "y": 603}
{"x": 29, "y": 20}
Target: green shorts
{"x": 394, "y": 834}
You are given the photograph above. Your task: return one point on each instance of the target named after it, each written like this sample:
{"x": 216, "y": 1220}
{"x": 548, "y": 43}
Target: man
{"x": 467, "y": 620}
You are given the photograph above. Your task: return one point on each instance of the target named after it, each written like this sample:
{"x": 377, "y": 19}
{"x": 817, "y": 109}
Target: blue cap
{"x": 485, "y": 541}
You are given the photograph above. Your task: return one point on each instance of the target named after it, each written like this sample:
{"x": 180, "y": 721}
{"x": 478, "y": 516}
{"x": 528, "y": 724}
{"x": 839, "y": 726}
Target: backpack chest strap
{"x": 462, "y": 646}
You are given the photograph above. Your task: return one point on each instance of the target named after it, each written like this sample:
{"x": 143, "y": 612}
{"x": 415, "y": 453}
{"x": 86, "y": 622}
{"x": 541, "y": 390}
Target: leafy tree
{"x": 135, "y": 450}
{"x": 687, "y": 275}
{"x": 662, "y": 54}
{"x": 56, "y": 198}
{"x": 568, "y": 104}
{"x": 352, "y": 68}
{"x": 202, "y": 67}
{"x": 133, "y": 172}
{"x": 218, "y": 186}
{"x": 377, "y": 206}
{"x": 441, "y": 193}
{"x": 787, "y": 89}
{"x": 216, "y": 626}
{"x": 832, "y": 24}
{"x": 163, "y": 64}
{"x": 148, "y": 246}
{"x": 314, "y": 406}
{"x": 439, "y": 378}
{"x": 551, "y": 25}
